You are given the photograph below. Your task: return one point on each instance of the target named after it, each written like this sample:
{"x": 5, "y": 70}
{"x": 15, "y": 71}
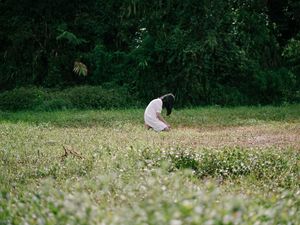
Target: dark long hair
{"x": 168, "y": 102}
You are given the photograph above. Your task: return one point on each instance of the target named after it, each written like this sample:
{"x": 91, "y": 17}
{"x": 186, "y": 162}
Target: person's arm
{"x": 159, "y": 116}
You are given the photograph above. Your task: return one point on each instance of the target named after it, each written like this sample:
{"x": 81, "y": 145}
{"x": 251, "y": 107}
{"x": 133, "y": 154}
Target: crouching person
{"x": 152, "y": 116}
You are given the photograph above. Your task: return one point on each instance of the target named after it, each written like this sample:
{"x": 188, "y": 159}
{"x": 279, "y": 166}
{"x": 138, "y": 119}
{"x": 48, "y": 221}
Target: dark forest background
{"x": 231, "y": 52}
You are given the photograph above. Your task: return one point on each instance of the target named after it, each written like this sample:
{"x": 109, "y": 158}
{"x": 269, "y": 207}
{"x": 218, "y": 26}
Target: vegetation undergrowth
{"x": 53, "y": 172}
{"x": 79, "y": 97}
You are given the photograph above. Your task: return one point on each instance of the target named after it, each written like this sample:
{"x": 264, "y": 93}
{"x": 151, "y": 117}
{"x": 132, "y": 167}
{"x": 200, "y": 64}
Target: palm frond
{"x": 80, "y": 68}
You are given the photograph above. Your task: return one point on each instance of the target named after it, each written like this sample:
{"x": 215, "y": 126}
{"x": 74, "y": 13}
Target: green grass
{"x": 217, "y": 166}
{"x": 195, "y": 117}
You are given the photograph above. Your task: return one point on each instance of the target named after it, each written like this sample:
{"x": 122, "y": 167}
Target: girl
{"x": 152, "y": 116}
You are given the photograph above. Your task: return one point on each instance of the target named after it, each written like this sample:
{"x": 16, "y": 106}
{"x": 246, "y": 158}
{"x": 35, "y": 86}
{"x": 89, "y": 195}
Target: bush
{"x": 230, "y": 96}
{"x": 21, "y": 99}
{"x": 55, "y": 104}
{"x": 274, "y": 86}
{"x": 97, "y": 97}
{"x": 82, "y": 97}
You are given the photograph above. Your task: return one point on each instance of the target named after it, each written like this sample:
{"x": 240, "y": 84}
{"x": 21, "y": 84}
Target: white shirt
{"x": 150, "y": 117}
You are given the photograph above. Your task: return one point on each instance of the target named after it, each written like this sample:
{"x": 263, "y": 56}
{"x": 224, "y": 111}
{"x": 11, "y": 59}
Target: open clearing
{"x": 273, "y": 135}
{"x": 119, "y": 173}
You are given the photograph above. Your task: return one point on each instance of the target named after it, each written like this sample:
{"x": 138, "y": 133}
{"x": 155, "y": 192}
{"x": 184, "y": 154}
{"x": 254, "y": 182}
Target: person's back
{"x": 152, "y": 115}
{"x": 153, "y": 107}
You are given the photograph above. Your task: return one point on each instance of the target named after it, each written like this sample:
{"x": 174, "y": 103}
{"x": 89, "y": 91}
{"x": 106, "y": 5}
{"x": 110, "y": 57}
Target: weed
{"x": 205, "y": 171}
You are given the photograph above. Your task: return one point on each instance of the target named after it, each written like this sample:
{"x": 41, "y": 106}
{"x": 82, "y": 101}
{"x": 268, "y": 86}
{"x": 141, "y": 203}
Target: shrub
{"x": 230, "y": 96}
{"x": 82, "y": 97}
{"x": 97, "y": 97}
{"x": 274, "y": 86}
{"x": 55, "y": 104}
{"x": 21, "y": 99}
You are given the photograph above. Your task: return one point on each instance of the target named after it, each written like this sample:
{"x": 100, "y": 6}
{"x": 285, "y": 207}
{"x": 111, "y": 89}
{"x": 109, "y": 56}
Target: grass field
{"x": 217, "y": 166}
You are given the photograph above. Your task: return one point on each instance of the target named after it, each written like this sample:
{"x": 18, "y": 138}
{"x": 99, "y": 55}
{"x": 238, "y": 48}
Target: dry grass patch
{"x": 48, "y": 140}
{"x": 276, "y": 135}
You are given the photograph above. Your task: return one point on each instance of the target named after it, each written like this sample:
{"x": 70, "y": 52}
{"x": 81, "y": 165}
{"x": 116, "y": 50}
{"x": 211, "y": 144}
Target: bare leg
{"x": 147, "y": 126}
{"x": 167, "y": 129}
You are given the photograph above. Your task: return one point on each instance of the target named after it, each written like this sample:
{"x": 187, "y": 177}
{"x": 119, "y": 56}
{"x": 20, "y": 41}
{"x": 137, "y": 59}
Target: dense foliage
{"x": 205, "y": 52}
{"x": 79, "y": 97}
